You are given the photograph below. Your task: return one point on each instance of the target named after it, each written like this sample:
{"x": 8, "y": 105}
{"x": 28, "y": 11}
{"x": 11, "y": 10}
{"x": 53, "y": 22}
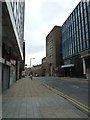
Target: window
{"x": 86, "y": 20}
{"x": 84, "y": 5}
{"x": 78, "y": 13}
{"x": 89, "y": 9}
{"x": 79, "y": 26}
{"x": 79, "y": 19}
{"x": 83, "y": 31}
{"x": 80, "y": 37}
{"x": 82, "y": 23}
{"x": 81, "y": 46}
{"x": 15, "y": 10}
{"x": 89, "y": 17}
{"x": 12, "y": 3}
{"x": 73, "y": 48}
{"x": 87, "y": 36}
{"x": 86, "y": 26}
{"x": 81, "y": 9}
{"x": 87, "y": 43}
{"x": 78, "y": 48}
{"x": 84, "y": 45}
{"x": 83, "y": 37}
{"x": 82, "y": 16}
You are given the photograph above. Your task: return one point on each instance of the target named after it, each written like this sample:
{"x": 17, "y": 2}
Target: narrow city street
{"x": 45, "y": 59}
{"x": 31, "y": 99}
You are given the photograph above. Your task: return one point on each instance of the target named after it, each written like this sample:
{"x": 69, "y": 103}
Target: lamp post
{"x": 30, "y": 61}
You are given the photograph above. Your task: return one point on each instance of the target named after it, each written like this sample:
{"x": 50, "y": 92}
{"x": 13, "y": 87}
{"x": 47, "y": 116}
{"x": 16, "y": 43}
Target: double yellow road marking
{"x": 75, "y": 102}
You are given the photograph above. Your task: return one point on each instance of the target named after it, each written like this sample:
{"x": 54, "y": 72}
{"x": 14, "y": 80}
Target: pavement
{"x": 32, "y": 99}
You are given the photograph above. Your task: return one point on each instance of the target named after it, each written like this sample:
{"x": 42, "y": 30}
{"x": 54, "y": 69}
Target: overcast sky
{"x": 40, "y": 17}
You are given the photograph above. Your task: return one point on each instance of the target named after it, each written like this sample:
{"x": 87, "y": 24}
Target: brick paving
{"x": 31, "y": 99}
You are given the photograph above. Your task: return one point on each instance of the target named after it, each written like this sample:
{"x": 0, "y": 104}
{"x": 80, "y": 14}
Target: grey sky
{"x": 40, "y": 17}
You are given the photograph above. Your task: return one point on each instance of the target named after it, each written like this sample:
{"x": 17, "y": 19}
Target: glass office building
{"x": 13, "y": 44}
{"x": 18, "y": 13}
{"x": 16, "y": 9}
{"x": 76, "y": 37}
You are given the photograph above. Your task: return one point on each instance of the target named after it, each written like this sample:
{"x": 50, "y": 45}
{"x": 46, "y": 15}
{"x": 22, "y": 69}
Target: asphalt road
{"x": 73, "y": 88}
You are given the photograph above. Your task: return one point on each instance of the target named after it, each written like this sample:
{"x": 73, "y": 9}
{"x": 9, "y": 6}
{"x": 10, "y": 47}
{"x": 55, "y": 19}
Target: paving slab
{"x": 30, "y": 99}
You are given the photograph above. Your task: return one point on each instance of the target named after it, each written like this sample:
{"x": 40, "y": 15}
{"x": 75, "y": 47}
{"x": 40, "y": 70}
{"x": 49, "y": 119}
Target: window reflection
{"x": 75, "y": 35}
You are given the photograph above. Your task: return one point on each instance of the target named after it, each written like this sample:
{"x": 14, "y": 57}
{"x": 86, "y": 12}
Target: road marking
{"x": 75, "y": 102}
{"x": 75, "y": 86}
{"x": 84, "y": 107}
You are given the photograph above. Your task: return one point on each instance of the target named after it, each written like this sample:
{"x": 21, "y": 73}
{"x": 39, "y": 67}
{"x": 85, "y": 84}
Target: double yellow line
{"x": 75, "y": 102}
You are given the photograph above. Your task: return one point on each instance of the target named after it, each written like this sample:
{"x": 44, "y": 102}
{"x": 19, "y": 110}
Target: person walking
{"x": 31, "y": 75}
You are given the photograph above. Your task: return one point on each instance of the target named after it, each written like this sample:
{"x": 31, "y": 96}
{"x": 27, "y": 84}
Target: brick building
{"x": 44, "y": 66}
{"x": 37, "y": 70}
{"x": 54, "y": 52}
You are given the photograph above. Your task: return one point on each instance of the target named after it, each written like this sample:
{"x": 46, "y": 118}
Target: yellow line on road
{"x": 84, "y": 107}
{"x": 77, "y": 103}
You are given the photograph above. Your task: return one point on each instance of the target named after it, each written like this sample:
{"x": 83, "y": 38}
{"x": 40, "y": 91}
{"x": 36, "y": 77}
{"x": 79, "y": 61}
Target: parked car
{"x": 36, "y": 75}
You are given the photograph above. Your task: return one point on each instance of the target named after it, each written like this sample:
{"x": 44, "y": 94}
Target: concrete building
{"x": 0, "y": 49}
{"x": 12, "y": 41}
{"x": 76, "y": 42}
{"x": 44, "y": 66}
{"x": 54, "y": 52}
{"x": 37, "y": 70}
{"x": 22, "y": 62}
{"x": 40, "y": 70}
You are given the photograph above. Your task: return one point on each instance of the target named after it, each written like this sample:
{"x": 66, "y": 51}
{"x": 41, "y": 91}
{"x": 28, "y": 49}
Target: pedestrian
{"x": 31, "y": 76}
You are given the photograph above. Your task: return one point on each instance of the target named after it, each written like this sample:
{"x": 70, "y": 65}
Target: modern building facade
{"x": 76, "y": 42}
{"x": 53, "y": 52}
{"x": 12, "y": 41}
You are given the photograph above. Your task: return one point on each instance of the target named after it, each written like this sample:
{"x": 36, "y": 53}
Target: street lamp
{"x": 30, "y": 61}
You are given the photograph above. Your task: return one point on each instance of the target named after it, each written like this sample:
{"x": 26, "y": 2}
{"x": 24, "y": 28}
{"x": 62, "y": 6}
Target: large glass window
{"x": 87, "y": 43}
{"x": 84, "y": 45}
{"x": 85, "y": 13}
{"x": 12, "y": 3}
{"x": 77, "y": 30}
{"x": 15, "y": 10}
{"x": 86, "y": 22}
{"x": 81, "y": 46}
{"x": 87, "y": 36}
{"x": 86, "y": 27}
{"x": 81, "y": 9}
{"x": 83, "y": 37}
{"x": 84, "y": 5}
{"x": 89, "y": 9}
